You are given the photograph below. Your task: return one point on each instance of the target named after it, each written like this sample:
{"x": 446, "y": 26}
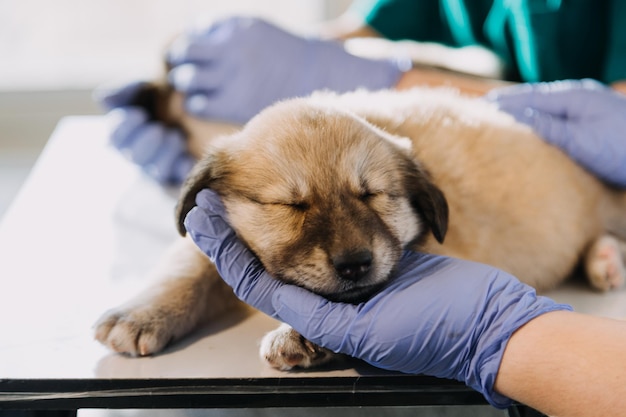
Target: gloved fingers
{"x": 594, "y": 151}
{"x": 254, "y": 285}
{"x": 206, "y": 225}
{"x": 317, "y": 319}
{"x": 560, "y": 98}
{"x": 173, "y": 145}
{"x": 164, "y": 165}
{"x": 182, "y": 166}
{"x": 212, "y": 204}
{"x": 235, "y": 263}
{"x": 210, "y": 106}
{"x": 190, "y": 78}
{"x": 160, "y": 151}
{"x": 123, "y": 123}
{"x": 148, "y": 140}
{"x": 551, "y": 128}
{"x": 111, "y": 96}
{"x": 193, "y": 50}
{"x": 205, "y": 44}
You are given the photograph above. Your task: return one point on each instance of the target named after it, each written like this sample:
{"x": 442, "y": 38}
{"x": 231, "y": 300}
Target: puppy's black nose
{"x": 353, "y": 266}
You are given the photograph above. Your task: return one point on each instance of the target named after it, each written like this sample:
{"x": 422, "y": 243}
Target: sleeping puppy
{"x": 328, "y": 191}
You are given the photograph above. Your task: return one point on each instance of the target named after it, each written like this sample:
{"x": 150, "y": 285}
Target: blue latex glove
{"x": 439, "y": 316}
{"x": 584, "y": 118}
{"x": 238, "y": 66}
{"x": 159, "y": 150}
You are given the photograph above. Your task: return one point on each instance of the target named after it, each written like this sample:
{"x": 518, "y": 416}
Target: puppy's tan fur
{"x": 312, "y": 184}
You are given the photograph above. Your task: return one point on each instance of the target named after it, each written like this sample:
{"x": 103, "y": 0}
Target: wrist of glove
{"x": 583, "y": 118}
{"x": 238, "y": 66}
{"x": 160, "y": 151}
{"x": 438, "y": 316}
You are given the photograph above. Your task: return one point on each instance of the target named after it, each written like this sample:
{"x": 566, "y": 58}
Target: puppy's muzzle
{"x": 353, "y": 266}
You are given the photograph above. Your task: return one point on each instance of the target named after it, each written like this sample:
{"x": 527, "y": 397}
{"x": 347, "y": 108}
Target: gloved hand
{"x": 584, "y": 118}
{"x": 159, "y": 150}
{"x": 238, "y": 66}
{"x": 439, "y": 316}
{"x": 236, "y": 264}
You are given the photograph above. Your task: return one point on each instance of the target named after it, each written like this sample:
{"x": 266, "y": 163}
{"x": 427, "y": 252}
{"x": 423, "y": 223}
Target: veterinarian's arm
{"x": 472, "y": 86}
{"x": 439, "y": 316}
{"x": 159, "y": 150}
{"x": 619, "y": 86}
{"x": 567, "y": 364}
{"x": 582, "y": 117}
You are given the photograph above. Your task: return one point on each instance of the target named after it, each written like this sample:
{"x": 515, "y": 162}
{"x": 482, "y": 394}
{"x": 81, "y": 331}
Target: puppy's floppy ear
{"x": 425, "y": 196}
{"x": 200, "y": 177}
{"x": 427, "y": 199}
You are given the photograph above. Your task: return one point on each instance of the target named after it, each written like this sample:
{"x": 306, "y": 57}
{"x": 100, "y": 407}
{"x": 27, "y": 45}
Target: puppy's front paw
{"x": 136, "y": 331}
{"x": 284, "y": 349}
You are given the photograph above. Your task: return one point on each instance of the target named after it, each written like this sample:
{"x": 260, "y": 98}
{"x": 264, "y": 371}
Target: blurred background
{"x": 53, "y": 54}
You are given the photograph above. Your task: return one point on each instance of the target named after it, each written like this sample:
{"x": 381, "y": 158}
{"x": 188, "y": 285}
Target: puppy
{"x": 328, "y": 190}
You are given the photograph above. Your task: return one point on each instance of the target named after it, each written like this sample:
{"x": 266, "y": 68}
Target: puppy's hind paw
{"x": 604, "y": 264}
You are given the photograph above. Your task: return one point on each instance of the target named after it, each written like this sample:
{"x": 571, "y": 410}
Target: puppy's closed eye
{"x": 366, "y": 194}
{"x": 297, "y": 205}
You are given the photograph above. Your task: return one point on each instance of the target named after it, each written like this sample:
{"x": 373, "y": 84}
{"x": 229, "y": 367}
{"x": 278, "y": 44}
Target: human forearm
{"x": 567, "y": 364}
{"x": 350, "y": 26}
{"x": 474, "y": 86}
{"x": 619, "y": 86}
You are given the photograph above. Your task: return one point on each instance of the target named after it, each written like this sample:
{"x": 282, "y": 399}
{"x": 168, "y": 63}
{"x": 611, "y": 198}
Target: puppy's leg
{"x": 604, "y": 263}
{"x": 189, "y": 291}
{"x": 284, "y": 349}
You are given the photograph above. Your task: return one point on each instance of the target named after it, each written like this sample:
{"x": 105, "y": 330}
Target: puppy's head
{"x": 324, "y": 199}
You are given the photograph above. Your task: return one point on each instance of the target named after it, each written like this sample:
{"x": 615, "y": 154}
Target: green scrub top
{"x": 538, "y": 40}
